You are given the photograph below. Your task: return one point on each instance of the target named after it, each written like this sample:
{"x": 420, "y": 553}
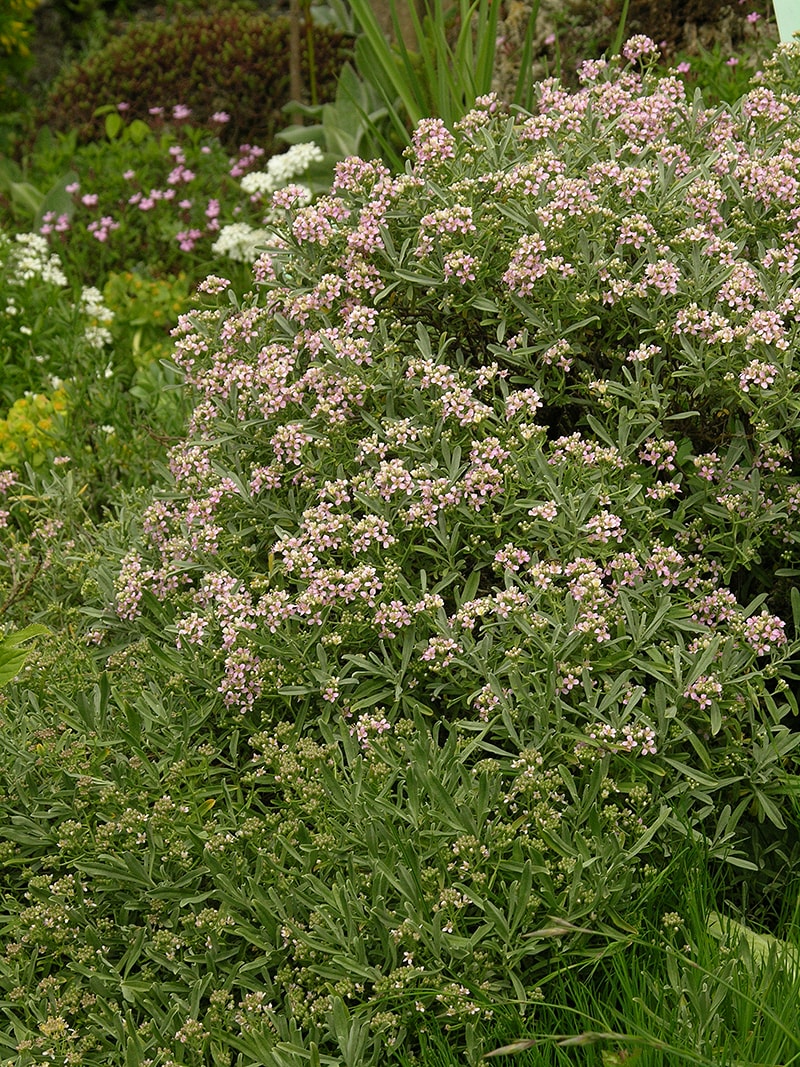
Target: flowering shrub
{"x": 474, "y": 538}
{"x": 80, "y": 382}
{"x": 459, "y": 612}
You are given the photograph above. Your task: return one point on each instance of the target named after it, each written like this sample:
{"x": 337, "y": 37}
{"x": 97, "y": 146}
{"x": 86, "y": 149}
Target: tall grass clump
{"x": 464, "y": 608}
{"x": 690, "y": 985}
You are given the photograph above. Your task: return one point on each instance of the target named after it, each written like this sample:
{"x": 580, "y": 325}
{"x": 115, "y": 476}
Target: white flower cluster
{"x": 32, "y": 259}
{"x": 281, "y": 169}
{"x": 96, "y": 333}
{"x": 240, "y": 242}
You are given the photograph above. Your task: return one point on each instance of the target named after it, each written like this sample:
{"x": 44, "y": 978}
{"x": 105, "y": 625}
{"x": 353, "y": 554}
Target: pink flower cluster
{"x": 348, "y": 452}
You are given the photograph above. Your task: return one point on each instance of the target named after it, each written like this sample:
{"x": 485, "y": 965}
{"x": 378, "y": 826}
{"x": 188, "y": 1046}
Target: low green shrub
{"x": 231, "y": 60}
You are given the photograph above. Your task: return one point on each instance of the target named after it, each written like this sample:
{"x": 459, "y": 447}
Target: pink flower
{"x": 129, "y": 175}
{"x": 732, "y": 62}
{"x": 89, "y": 199}
{"x": 683, "y": 68}
{"x": 187, "y": 239}
{"x": 220, "y": 117}
{"x": 764, "y": 633}
{"x": 639, "y": 46}
{"x": 181, "y": 112}
{"x": 101, "y": 228}
{"x": 72, "y": 188}
{"x": 753, "y": 17}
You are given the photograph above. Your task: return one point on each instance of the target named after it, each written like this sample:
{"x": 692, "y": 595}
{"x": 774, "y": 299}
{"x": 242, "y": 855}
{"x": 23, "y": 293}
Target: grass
{"x": 693, "y": 987}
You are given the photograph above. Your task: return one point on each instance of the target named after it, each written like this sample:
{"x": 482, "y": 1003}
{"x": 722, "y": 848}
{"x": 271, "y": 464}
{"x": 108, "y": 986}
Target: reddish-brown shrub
{"x": 234, "y": 61}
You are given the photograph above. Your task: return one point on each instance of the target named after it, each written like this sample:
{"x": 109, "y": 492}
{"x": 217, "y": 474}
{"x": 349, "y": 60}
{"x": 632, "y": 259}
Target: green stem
{"x": 620, "y": 34}
{"x": 312, "y": 63}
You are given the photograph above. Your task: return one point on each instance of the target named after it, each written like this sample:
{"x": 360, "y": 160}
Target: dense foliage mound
{"x": 461, "y": 607}
{"x": 231, "y": 61}
{"x": 679, "y": 22}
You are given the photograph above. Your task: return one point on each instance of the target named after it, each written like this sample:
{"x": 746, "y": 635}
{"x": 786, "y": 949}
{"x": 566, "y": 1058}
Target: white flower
{"x": 240, "y": 242}
{"x": 92, "y": 304}
{"x": 96, "y": 333}
{"x": 258, "y": 182}
{"x": 33, "y": 259}
{"x": 296, "y": 161}
{"x": 281, "y": 169}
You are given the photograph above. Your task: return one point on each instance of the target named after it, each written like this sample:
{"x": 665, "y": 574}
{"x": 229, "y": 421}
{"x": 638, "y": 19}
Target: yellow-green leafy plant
{"x": 30, "y": 431}
{"x": 145, "y": 310}
{"x": 15, "y": 34}
{"x": 13, "y": 652}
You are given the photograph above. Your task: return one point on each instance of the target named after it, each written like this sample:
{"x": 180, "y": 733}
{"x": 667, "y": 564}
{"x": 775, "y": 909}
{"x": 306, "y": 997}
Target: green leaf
{"x": 57, "y": 199}
{"x": 762, "y": 947}
{"x": 138, "y": 132}
{"x": 26, "y": 199}
{"x": 12, "y": 655}
{"x": 113, "y": 125}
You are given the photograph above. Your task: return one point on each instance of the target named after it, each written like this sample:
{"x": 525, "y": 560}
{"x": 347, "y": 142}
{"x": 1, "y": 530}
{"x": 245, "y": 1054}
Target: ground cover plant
{"x": 461, "y": 623}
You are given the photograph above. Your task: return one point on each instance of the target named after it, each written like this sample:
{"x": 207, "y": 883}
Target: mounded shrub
{"x": 232, "y": 61}
{"x": 462, "y": 596}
